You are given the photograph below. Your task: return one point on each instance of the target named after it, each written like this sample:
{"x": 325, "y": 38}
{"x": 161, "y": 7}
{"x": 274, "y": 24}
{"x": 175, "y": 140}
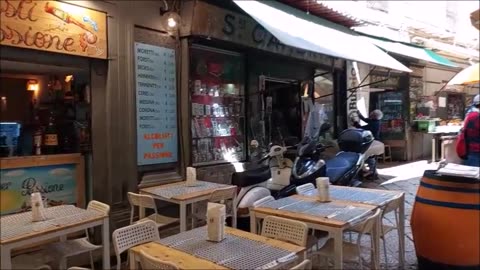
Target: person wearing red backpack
{"x": 468, "y": 145}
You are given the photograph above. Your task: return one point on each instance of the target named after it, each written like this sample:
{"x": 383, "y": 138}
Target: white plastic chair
{"x": 258, "y": 203}
{"x": 304, "y": 189}
{"x": 221, "y": 195}
{"x": 78, "y": 268}
{"x": 352, "y": 252}
{"x": 263, "y": 200}
{"x": 291, "y": 231}
{"x": 152, "y": 263}
{"x": 148, "y": 202}
{"x": 70, "y": 248}
{"x": 392, "y": 206}
{"x": 133, "y": 235}
{"x": 305, "y": 265}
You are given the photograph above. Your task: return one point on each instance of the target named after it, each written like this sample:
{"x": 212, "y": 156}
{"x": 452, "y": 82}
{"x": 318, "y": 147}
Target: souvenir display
{"x": 217, "y": 98}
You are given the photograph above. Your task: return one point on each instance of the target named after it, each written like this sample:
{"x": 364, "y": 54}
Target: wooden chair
{"x": 133, "y": 235}
{"x": 386, "y": 156}
{"x": 151, "y": 263}
{"x": 147, "y": 202}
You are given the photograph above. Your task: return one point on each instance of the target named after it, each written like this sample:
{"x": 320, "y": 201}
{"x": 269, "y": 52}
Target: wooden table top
{"x": 312, "y": 218}
{"x": 186, "y": 261}
{"x": 186, "y": 196}
{"x": 18, "y": 221}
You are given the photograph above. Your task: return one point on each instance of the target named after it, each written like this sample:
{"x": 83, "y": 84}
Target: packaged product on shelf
{"x": 197, "y": 87}
{"x": 208, "y": 109}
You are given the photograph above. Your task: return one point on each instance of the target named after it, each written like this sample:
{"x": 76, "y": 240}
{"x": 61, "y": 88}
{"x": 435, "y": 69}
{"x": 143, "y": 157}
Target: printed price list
{"x": 156, "y": 104}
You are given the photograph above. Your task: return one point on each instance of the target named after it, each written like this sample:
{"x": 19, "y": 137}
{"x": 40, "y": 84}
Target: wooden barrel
{"x": 446, "y": 222}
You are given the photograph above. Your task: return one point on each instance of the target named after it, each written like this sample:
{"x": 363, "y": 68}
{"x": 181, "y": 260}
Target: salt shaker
{"x": 191, "y": 177}
{"x": 323, "y": 187}
{"x": 38, "y": 211}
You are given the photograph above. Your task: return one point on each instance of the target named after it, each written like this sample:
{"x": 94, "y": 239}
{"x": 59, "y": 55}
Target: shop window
{"x": 217, "y": 106}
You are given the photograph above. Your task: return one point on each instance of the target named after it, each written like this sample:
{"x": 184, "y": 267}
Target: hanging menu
{"x": 157, "y": 132}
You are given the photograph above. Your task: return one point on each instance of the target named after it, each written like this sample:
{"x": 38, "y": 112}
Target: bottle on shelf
{"x": 51, "y": 136}
{"x": 37, "y": 136}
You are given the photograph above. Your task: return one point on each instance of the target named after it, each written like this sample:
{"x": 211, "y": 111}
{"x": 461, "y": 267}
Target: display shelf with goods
{"x": 217, "y": 106}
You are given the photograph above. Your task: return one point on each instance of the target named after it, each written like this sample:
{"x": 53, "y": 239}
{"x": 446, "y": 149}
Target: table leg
{"x": 338, "y": 249}
{"x": 183, "y": 217}
{"x": 401, "y": 232}
{"x": 141, "y": 212}
{"x": 6, "y": 261}
{"x": 106, "y": 243}
{"x": 433, "y": 148}
{"x": 133, "y": 265}
{"x": 253, "y": 222}
{"x": 63, "y": 261}
{"x": 234, "y": 210}
{"x": 376, "y": 243}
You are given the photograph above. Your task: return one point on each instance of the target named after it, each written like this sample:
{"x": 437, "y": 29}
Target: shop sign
{"x": 53, "y": 26}
{"x": 358, "y": 99}
{"x": 215, "y": 22}
{"x": 156, "y": 93}
{"x": 56, "y": 183}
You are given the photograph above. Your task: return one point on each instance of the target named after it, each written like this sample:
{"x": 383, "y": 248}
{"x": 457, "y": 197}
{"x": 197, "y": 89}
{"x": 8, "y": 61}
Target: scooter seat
{"x": 342, "y": 163}
{"x": 251, "y": 177}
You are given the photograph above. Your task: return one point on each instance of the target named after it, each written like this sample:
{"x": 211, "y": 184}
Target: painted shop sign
{"x": 56, "y": 183}
{"x": 53, "y": 26}
{"x": 214, "y": 22}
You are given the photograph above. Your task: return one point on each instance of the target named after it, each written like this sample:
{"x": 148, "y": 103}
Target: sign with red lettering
{"x": 53, "y": 26}
{"x": 156, "y": 93}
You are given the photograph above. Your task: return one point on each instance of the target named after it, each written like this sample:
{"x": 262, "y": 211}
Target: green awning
{"x": 410, "y": 51}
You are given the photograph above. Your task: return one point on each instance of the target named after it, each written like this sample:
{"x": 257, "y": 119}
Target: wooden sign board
{"x": 53, "y": 26}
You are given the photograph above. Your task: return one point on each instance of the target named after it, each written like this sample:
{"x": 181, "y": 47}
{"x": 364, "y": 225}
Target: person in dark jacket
{"x": 373, "y": 125}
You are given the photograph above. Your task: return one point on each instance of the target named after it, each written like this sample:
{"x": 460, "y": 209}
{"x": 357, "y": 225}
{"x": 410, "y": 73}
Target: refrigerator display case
{"x": 217, "y": 106}
{"x": 391, "y": 103}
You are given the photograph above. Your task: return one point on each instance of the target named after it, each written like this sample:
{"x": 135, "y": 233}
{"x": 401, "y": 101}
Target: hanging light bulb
{"x": 171, "y": 21}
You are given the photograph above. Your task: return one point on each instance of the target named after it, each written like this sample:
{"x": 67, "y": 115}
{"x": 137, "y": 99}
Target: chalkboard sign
{"x": 157, "y": 131}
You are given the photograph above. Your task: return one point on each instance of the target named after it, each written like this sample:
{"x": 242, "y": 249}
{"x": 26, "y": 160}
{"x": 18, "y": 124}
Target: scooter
{"x": 341, "y": 170}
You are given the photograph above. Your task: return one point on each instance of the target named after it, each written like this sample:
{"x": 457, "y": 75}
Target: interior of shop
{"x": 45, "y": 109}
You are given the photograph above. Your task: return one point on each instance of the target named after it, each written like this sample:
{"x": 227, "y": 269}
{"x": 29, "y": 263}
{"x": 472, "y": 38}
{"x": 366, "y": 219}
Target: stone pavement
{"x": 410, "y": 188}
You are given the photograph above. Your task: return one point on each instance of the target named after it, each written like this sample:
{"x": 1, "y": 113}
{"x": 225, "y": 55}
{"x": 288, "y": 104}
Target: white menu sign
{"x": 157, "y": 132}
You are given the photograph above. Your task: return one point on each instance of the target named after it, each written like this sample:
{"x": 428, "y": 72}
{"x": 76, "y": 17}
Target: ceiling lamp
{"x": 32, "y": 85}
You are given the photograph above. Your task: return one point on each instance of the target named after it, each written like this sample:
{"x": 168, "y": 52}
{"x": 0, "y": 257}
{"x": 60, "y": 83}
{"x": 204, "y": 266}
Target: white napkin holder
{"x": 38, "y": 210}
{"x": 216, "y": 222}
{"x": 323, "y": 188}
{"x": 191, "y": 177}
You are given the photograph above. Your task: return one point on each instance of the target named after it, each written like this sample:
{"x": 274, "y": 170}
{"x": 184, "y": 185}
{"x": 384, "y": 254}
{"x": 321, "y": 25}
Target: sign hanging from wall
{"x": 53, "y": 26}
{"x": 157, "y": 131}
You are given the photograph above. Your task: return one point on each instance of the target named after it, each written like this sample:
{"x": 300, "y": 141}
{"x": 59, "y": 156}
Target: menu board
{"x": 157, "y": 131}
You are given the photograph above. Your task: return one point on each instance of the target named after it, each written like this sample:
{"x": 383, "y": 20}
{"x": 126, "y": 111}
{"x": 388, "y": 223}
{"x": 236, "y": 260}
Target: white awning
{"x": 297, "y": 29}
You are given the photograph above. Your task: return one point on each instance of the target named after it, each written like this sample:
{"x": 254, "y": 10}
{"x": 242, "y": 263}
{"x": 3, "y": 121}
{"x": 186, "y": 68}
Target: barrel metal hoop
{"x": 448, "y": 204}
{"x": 453, "y": 189}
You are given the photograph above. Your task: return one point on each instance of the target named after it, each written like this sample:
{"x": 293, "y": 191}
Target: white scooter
{"x": 255, "y": 184}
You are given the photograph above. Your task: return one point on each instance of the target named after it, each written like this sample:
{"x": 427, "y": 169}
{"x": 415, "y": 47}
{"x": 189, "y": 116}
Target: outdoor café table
{"x": 18, "y": 230}
{"x": 334, "y": 217}
{"x": 375, "y": 197}
{"x": 182, "y": 195}
{"x": 239, "y": 250}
